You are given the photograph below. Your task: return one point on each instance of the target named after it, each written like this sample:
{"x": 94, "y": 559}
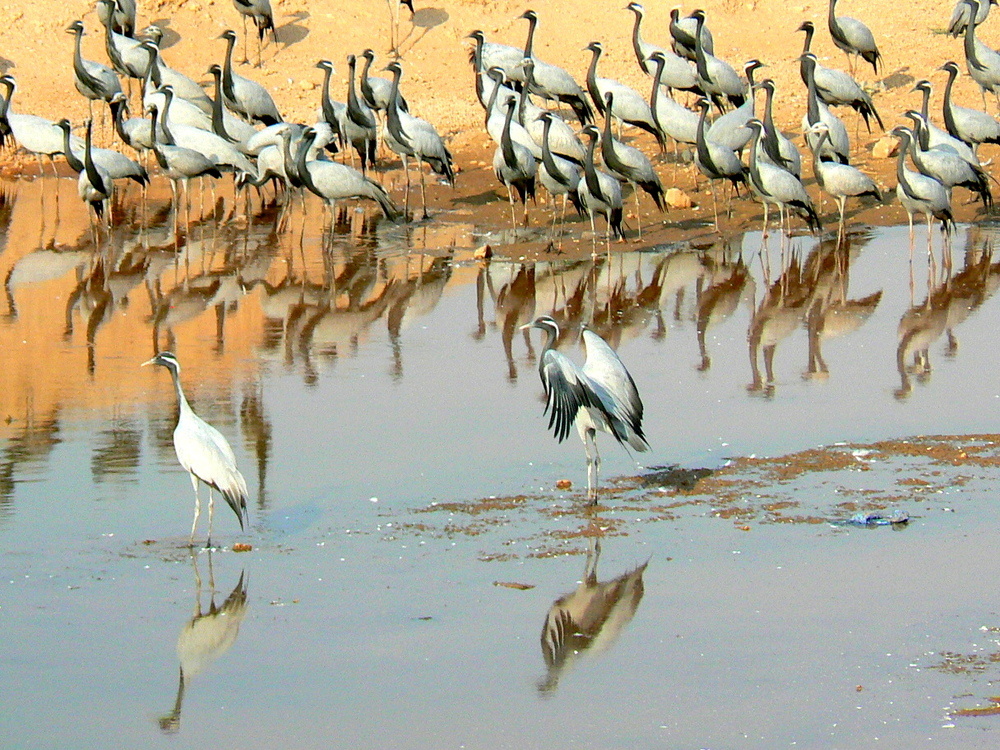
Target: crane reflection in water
{"x": 589, "y": 619}
{"x": 206, "y": 637}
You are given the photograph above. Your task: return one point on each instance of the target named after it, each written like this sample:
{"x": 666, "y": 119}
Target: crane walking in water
{"x": 205, "y": 454}
{"x": 601, "y": 395}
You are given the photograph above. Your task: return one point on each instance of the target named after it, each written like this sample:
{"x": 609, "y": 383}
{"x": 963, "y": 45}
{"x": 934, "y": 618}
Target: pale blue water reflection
{"x": 362, "y": 383}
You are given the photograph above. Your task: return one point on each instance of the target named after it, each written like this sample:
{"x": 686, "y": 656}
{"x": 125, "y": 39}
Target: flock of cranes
{"x": 235, "y": 126}
{"x": 742, "y": 145}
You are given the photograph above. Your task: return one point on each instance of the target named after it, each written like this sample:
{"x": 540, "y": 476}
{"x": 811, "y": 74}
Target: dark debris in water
{"x": 674, "y": 477}
{"x": 888, "y": 482}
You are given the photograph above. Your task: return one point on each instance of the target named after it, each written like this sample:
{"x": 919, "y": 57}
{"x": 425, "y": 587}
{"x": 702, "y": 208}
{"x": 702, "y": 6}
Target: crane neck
{"x": 969, "y": 42}
{"x": 812, "y": 98}
{"x": 358, "y": 116}
{"x": 637, "y": 38}
{"x": 160, "y": 158}
{"x": 291, "y": 166}
{"x": 367, "y": 93}
{"x": 227, "y": 69}
{"x": 88, "y": 162}
{"x": 595, "y": 93}
{"x": 300, "y": 161}
{"x": 85, "y": 77}
{"x": 522, "y": 99}
{"x": 824, "y": 136}
{"x": 808, "y": 31}
{"x": 218, "y": 114}
{"x": 923, "y": 136}
{"x": 901, "y": 162}
{"x": 153, "y": 70}
{"x": 324, "y": 99}
{"x": 110, "y": 47}
{"x": 551, "y": 334}
{"x": 184, "y": 408}
{"x": 590, "y": 171}
{"x": 547, "y": 160}
{"x": 754, "y": 164}
{"x": 5, "y": 104}
{"x": 71, "y": 158}
{"x": 168, "y": 98}
{"x": 701, "y": 146}
{"x": 949, "y": 112}
{"x": 770, "y": 140}
{"x": 529, "y": 42}
{"x": 654, "y": 94}
{"x": 117, "y": 119}
{"x": 608, "y": 149}
{"x": 506, "y": 145}
{"x": 392, "y": 112}
{"x": 701, "y": 61}
{"x": 493, "y": 98}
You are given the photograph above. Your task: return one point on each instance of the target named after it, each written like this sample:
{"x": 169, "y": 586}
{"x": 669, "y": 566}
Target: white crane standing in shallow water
{"x": 601, "y": 395}
{"x": 205, "y": 454}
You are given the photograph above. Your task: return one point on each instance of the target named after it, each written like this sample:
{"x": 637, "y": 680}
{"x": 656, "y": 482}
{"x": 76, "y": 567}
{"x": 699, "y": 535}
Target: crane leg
{"x": 211, "y": 510}
{"x": 246, "y": 58}
{"x": 589, "y": 437}
{"x": 406, "y": 195}
{"x": 638, "y": 219}
{"x": 510, "y": 198}
{"x": 197, "y": 509}
{"x": 423, "y": 188}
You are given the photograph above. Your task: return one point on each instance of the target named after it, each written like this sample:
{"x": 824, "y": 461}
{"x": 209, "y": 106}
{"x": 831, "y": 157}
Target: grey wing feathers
{"x": 566, "y": 393}
{"x": 616, "y": 390}
{"x": 211, "y": 459}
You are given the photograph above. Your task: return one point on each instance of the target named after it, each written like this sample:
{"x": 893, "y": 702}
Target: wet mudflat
{"x": 409, "y": 541}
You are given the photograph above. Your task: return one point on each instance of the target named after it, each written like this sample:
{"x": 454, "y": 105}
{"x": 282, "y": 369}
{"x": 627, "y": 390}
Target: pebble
{"x": 885, "y": 148}
{"x": 677, "y": 198}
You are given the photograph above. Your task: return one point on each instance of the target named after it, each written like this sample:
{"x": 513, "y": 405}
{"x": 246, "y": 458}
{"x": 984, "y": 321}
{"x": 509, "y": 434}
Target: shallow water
{"x": 408, "y": 539}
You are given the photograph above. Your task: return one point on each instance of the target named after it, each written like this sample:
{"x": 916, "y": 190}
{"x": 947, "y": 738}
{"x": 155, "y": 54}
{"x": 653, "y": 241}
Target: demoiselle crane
{"x": 205, "y": 454}
{"x": 243, "y": 96}
{"x": 835, "y": 87}
{"x": 971, "y": 126}
{"x": 682, "y": 33}
{"x": 600, "y": 396}
{"x": 600, "y": 193}
{"x": 515, "y": 166}
{"x": 93, "y": 80}
{"x": 629, "y": 105}
{"x": 776, "y": 186}
{"x": 841, "y": 181}
{"x": 853, "y": 37}
{"x": 263, "y": 18}
{"x": 407, "y": 136}
{"x": 629, "y": 164}
{"x": 919, "y": 193}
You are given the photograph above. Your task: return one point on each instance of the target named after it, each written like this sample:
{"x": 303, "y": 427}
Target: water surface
{"x": 408, "y": 537}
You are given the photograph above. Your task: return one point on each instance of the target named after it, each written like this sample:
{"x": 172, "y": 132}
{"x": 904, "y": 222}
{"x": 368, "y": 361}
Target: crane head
{"x": 165, "y": 359}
